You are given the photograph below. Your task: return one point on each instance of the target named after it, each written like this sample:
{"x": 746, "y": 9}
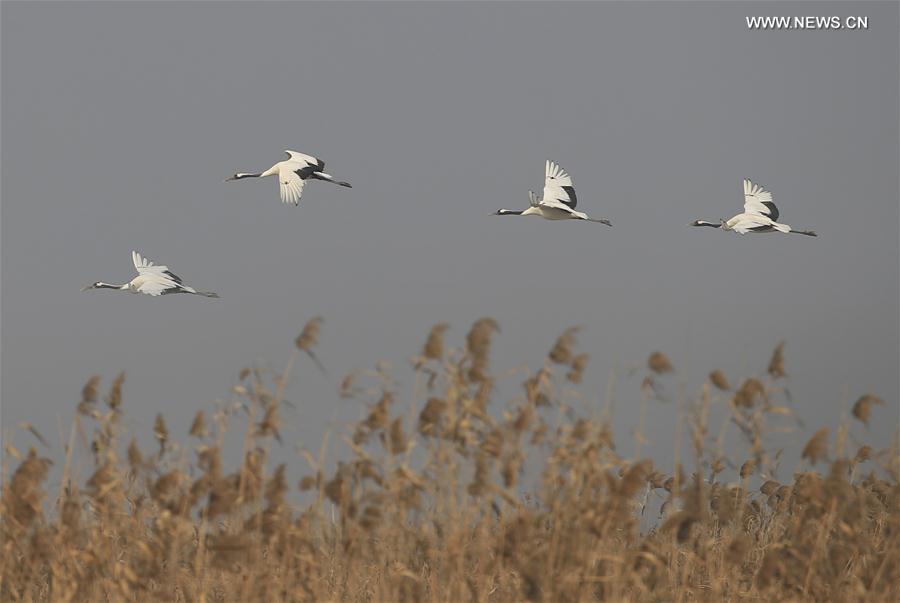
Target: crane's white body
{"x": 151, "y": 280}
{"x": 558, "y": 201}
{"x": 292, "y": 174}
{"x": 760, "y": 215}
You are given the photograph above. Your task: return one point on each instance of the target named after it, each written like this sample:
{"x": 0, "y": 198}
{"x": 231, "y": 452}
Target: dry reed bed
{"x": 435, "y": 503}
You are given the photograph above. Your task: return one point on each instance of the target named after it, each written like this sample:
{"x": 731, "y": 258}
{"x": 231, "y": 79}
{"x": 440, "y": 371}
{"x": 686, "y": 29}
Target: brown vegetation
{"x": 455, "y": 499}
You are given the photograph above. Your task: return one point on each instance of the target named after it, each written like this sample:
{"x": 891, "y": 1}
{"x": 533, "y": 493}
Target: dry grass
{"x": 455, "y": 499}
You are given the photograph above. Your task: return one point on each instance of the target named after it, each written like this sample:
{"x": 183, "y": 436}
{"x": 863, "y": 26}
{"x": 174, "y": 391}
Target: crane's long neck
{"x": 122, "y": 287}
{"x": 710, "y": 224}
{"x": 510, "y": 212}
{"x": 241, "y": 175}
{"x": 269, "y": 172}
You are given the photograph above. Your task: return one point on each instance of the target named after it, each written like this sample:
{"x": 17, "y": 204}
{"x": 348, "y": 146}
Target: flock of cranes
{"x": 557, "y": 202}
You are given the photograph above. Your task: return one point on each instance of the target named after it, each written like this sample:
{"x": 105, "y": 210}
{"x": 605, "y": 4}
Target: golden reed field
{"x": 455, "y": 496}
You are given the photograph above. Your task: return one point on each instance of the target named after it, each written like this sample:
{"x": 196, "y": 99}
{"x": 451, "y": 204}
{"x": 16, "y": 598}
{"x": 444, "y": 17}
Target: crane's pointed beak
{"x": 86, "y": 287}
{"x": 230, "y": 178}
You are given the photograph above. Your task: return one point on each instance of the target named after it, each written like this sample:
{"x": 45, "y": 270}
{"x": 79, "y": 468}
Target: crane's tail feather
{"x": 330, "y": 178}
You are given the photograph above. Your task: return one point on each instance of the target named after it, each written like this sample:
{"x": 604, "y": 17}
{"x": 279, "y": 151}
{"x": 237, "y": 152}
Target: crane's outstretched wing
{"x": 558, "y": 187}
{"x": 292, "y": 184}
{"x": 305, "y": 162}
{"x": 758, "y": 200}
{"x": 160, "y": 274}
{"x": 301, "y": 167}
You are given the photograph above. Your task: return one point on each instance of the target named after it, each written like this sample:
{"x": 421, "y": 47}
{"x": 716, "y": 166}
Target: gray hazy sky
{"x": 120, "y": 120}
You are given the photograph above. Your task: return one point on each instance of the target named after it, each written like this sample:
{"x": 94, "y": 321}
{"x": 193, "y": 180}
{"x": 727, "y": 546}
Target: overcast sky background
{"x": 120, "y": 121}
